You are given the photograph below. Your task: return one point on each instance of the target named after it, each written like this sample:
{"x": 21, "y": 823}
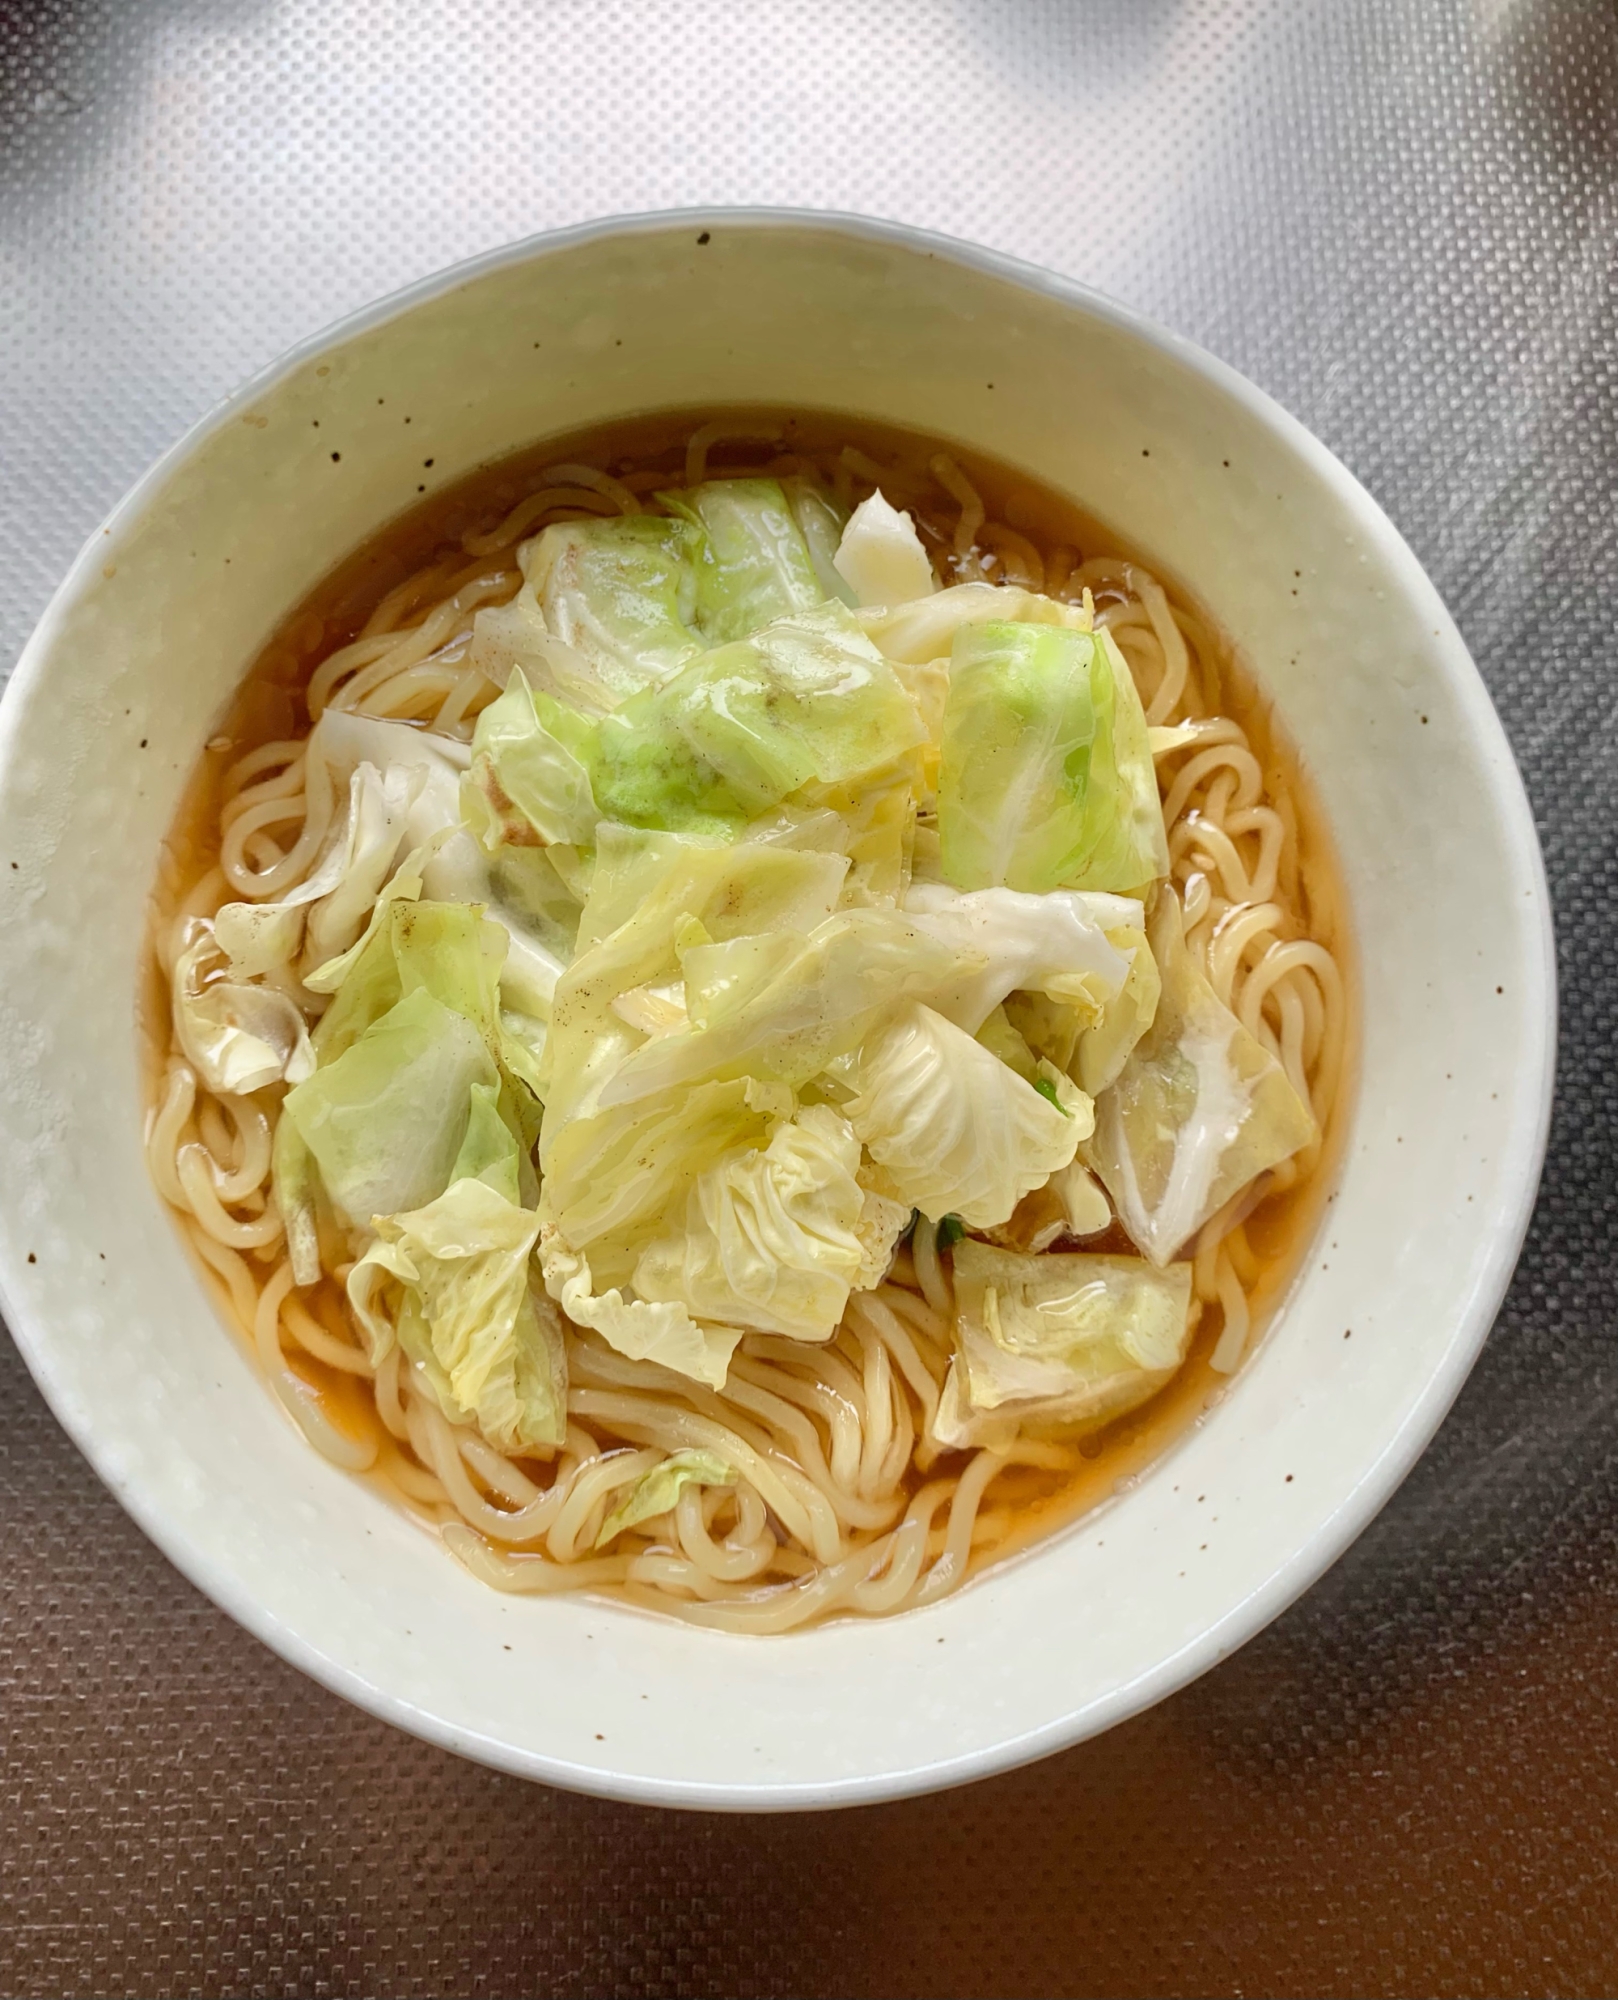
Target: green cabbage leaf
{"x": 606, "y": 608}
{"x": 1046, "y": 779}
{"x": 529, "y": 785}
{"x": 750, "y": 562}
{"x": 385, "y": 1120}
{"x": 803, "y": 702}
{"x": 414, "y": 1029}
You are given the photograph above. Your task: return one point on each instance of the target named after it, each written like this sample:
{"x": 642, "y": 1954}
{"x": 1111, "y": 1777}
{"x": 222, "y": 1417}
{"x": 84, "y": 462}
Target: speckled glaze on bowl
{"x": 114, "y": 698}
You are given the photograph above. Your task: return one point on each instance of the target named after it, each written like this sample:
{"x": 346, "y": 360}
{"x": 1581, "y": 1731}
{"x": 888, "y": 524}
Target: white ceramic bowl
{"x": 167, "y": 606}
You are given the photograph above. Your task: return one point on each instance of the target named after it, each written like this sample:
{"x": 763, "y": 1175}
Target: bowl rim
{"x": 31, "y": 1329}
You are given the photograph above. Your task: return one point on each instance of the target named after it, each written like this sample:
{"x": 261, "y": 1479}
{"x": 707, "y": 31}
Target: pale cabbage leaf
{"x": 635, "y": 1328}
{"x": 295, "y": 1181}
{"x": 650, "y": 896}
{"x": 769, "y": 1238}
{"x": 455, "y": 868}
{"x": 325, "y": 912}
{"x": 405, "y": 884}
{"x": 1091, "y": 1034}
{"x": 611, "y": 1176}
{"x": 958, "y": 1132}
{"x": 923, "y": 630}
{"x": 821, "y": 521}
{"x": 881, "y": 557}
{"x": 237, "y": 1036}
{"x": 1199, "y": 1110}
{"x": 1083, "y": 1200}
{"x": 492, "y": 1353}
{"x": 783, "y": 1006}
{"x": 1056, "y": 943}
{"x": 656, "y": 1492}
{"x": 1058, "y": 1342}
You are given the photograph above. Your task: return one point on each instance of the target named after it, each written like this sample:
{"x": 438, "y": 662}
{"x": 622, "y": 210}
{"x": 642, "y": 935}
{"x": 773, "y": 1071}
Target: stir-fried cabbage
{"x": 804, "y": 701}
{"x": 655, "y": 1492}
{"x": 466, "y": 1315}
{"x": 405, "y": 884}
{"x": 925, "y": 629}
{"x": 528, "y": 785}
{"x": 1055, "y": 944}
{"x": 821, "y": 521}
{"x": 606, "y": 608}
{"x": 1082, "y": 1028}
{"x": 748, "y": 925}
{"x": 652, "y": 900}
{"x": 327, "y": 910}
{"x": 454, "y": 867}
{"x": 784, "y": 1007}
{"x": 446, "y": 949}
{"x": 751, "y": 563}
{"x": 770, "y": 1237}
{"x": 1199, "y": 1111}
{"x": 240, "y": 1037}
{"x": 1057, "y": 1340}
{"x": 958, "y": 1132}
{"x": 385, "y": 1120}
{"x": 881, "y": 557}
{"x": 415, "y": 1026}
{"x": 1046, "y": 780}
{"x": 639, "y": 1329}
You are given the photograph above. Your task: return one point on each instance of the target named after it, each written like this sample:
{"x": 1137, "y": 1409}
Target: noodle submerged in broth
{"x": 758, "y": 1030}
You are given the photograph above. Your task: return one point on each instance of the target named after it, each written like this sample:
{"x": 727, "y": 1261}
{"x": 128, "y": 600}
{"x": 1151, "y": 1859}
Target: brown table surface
{"x": 1400, "y": 216}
